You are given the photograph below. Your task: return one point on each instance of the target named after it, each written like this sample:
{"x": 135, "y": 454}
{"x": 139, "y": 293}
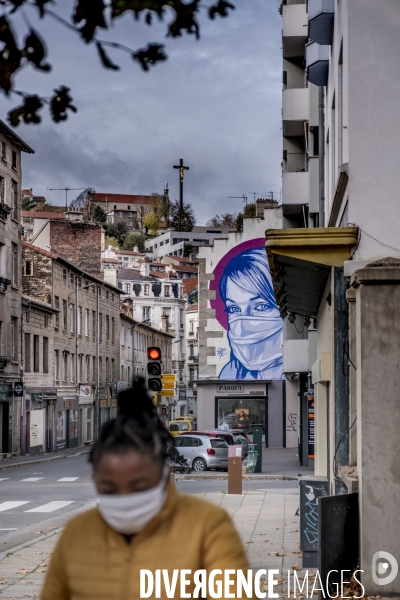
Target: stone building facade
{"x": 85, "y": 357}
{"x": 11, "y": 147}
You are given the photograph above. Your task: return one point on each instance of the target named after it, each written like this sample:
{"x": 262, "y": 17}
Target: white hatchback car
{"x": 203, "y": 452}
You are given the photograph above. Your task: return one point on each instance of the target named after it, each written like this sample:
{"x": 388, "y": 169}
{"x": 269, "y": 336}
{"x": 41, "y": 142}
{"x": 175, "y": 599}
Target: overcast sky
{"x": 216, "y": 103}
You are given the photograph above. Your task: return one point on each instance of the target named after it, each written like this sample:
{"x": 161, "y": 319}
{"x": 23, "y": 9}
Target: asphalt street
{"x": 40, "y": 498}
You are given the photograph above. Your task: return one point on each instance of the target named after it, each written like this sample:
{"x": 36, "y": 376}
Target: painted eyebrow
{"x": 229, "y": 300}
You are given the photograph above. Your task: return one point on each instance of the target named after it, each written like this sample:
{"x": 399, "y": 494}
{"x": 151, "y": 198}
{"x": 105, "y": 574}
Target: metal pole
{"x": 321, "y": 143}
{"x": 98, "y": 420}
{"x": 76, "y": 332}
{"x": 133, "y": 354}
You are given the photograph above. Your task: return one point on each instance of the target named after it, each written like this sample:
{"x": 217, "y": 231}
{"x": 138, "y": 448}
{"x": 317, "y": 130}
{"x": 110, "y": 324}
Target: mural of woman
{"x": 254, "y": 322}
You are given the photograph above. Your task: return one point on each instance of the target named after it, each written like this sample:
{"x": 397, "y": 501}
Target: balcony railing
{"x": 4, "y": 211}
{"x": 296, "y": 162}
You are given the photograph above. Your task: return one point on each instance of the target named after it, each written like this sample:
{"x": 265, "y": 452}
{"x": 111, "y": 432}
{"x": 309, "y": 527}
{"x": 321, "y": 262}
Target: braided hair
{"x": 137, "y": 427}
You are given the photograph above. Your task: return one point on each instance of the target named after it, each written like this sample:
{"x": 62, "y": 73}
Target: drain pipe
{"x": 321, "y": 144}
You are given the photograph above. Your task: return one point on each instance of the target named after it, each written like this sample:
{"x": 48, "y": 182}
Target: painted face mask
{"x": 255, "y": 342}
{"x": 130, "y": 513}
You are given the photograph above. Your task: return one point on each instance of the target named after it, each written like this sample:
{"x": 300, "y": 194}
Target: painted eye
{"x": 232, "y": 309}
{"x": 262, "y": 307}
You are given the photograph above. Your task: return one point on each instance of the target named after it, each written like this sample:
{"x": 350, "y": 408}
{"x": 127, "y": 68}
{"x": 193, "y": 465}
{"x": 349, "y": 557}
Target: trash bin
{"x": 251, "y": 460}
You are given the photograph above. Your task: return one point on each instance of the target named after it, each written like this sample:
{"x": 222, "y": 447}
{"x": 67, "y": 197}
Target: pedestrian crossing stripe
{"x": 12, "y": 504}
{"x": 68, "y": 479}
{"x": 50, "y": 506}
{"x": 4, "y": 478}
{"x": 32, "y": 479}
{"x": 43, "y": 508}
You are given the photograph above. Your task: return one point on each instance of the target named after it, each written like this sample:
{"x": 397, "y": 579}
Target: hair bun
{"x": 135, "y": 402}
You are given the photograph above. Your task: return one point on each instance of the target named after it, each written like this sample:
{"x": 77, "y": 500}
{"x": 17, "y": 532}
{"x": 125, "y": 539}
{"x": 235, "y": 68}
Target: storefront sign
{"x": 168, "y": 393}
{"x": 182, "y": 394}
{"x": 85, "y": 394}
{"x": 18, "y": 389}
{"x": 121, "y": 385}
{"x": 230, "y": 388}
{"x": 311, "y": 427}
{"x": 257, "y": 393}
{"x": 5, "y": 392}
{"x": 68, "y": 403}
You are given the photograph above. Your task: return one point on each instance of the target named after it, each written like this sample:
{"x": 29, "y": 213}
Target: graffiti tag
{"x": 292, "y": 421}
{"x": 221, "y": 352}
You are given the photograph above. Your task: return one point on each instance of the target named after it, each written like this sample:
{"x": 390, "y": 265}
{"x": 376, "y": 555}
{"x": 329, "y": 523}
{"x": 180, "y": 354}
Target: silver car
{"x": 203, "y": 452}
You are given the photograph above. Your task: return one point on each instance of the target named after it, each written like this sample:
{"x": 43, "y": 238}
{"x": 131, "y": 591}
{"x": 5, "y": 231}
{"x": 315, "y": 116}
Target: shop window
{"x": 89, "y": 425}
{"x": 45, "y": 355}
{"x": 240, "y": 413}
{"x": 36, "y": 353}
{"x": 61, "y": 425}
{"x": 73, "y": 424}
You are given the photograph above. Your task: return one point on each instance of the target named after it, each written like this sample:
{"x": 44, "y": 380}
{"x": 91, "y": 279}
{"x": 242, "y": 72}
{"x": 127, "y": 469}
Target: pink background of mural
{"x": 218, "y": 304}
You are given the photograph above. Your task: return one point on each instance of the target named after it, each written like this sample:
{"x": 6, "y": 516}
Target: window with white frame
{"x": 167, "y": 291}
{"x": 146, "y": 313}
{"x": 167, "y": 312}
{"x": 127, "y": 288}
{"x": 146, "y": 289}
{"x": 87, "y": 322}
{"x": 72, "y": 317}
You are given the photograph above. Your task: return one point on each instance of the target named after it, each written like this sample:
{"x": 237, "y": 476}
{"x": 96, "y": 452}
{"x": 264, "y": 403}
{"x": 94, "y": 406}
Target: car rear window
{"x": 174, "y": 427}
{"x": 215, "y": 443}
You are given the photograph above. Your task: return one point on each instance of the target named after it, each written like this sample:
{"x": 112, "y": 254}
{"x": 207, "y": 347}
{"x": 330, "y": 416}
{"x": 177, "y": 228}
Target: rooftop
{"x": 190, "y": 284}
{"x": 9, "y": 134}
{"x": 42, "y": 215}
{"x": 126, "y": 198}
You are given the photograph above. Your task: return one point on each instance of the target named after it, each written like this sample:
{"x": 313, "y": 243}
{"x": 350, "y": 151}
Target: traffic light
{"x": 154, "y": 369}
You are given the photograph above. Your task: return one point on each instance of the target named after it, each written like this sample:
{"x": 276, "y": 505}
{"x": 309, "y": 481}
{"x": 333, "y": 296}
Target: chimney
{"x": 144, "y": 268}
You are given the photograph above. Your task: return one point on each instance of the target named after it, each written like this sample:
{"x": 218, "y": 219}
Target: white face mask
{"x": 256, "y": 342}
{"x": 130, "y": 513}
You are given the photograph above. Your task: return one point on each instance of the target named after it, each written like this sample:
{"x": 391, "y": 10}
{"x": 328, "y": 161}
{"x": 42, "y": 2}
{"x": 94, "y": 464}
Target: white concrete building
{"x": 172, "y": 242}
{"x": 339, "y": 270}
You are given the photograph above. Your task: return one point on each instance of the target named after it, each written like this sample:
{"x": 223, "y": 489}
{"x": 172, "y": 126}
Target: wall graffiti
{"x": 245, "y": 306}
{"x": 292, "y": 422}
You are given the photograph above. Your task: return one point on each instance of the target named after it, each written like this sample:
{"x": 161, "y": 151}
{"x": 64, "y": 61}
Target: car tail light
{"x": 210, "y": 451}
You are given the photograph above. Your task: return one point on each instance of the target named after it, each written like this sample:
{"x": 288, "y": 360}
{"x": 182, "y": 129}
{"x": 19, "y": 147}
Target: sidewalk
{"x": 266, "y": 522}
{"x": 20, "y": 461}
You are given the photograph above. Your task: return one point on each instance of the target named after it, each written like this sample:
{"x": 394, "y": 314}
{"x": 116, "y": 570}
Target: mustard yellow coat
{"x": 93, "y": 562}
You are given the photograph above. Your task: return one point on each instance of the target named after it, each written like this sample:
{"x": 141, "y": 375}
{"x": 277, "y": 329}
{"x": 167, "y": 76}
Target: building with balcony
{"x": 173, "y": 242}
{"x": 336, "y": 270}
{"x": 11, "y": 148}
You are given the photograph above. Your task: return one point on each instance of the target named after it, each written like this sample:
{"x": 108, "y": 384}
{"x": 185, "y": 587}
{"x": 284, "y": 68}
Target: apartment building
{"x": 173, "y": 242}
{"x": 82, "y": 353}
{"x": 159, "y": 302}
{"x": 336, "y": 271}
{"x": 11, "y": 148}
{"x": 191, "y": 294}
{"x": 127, "y": 208}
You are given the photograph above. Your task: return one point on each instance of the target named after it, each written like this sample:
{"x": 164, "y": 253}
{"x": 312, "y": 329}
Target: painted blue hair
{"x": 250, "y": 271}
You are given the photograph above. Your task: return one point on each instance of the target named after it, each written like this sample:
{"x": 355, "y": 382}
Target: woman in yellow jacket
{"x": 141, "y": 522}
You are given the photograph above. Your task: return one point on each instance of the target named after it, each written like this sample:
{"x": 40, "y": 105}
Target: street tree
{"x": 111, "y": 241}
{"x": 225, "y": 220}
{"x": 134, "y": 239}
{"x": 118, "y": 230}
{"x": 152, "y": 221}
{"x": 181, "y": 219}
{"x": 99, "y": 216}
{"x": 22, "y": 45}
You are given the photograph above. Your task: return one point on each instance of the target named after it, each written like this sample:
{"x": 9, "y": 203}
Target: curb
{"x": 261, "y": 477}
{"x": 4, "y": 554}
{"x": 40, "y": 460}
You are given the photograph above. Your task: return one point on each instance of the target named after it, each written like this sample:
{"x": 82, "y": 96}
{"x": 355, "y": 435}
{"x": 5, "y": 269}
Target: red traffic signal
{"x": 153, "y": 353}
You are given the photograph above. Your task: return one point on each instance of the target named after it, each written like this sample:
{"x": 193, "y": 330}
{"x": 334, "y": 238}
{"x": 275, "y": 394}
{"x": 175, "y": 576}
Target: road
{"x": 36, "y": 499}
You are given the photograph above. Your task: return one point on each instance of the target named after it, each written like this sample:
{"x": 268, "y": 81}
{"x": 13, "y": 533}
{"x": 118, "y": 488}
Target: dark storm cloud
{"x": 215, "y": 103}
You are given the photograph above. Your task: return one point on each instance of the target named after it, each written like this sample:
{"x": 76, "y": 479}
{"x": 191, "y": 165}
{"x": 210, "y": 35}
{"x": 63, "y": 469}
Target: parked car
{"x": 178, "y": 426}
{"x": 240, "y": 439}
{"x": 225, "y": 435}
{"x": 203, "y": 452}
{"x": 239, "y": 432}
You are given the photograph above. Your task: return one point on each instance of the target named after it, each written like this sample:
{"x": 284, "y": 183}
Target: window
{"x": 14, "y": 199}
{"x": 107, "y": 328}
{"x": 167, "y": 290}
{"x": 57, "y": 315}
{"x": 72, "y": 374}
{"x": 14, "y": 160}
{"x": 94, "y": 327}
{"x": 129, "y": 375}
{"x": 112, "y": 330}
{"x": 182, "y": 318}
{"x": 100, "y": 369}
{"x": 128, "y": 288}
{"x": 129, "y": 208}
{"x": 123, "y": 335}
{"x": 46, "y": 320}
{"x": 87, "y": 366}
{"x": 73, "y": 424}
{"x": 87, "y": 322}
{"x": 146, "y": 289}
{"x": 65, "y": 317}
{"x": 100, "y": 327}
{"x": 65, "y": 367}
{"x": 71, "y": 317}
{"x": 107, "y": 369}
{"x": 80, "y": 368}
{"x": 191, "y": 377}
{"x": 72, "y": 279}
{"x": 64, "y": 274}
{"x": 28, "y": 268}
{"x": 3, "y": 151}
{"x": 61, "y": 425}
{"x": 36, "y": 353}
{"x": 191, "y": 326}
{"x": 14, "y": 338}
{"x": 45, "y": 355}
{"x": 161, "y": 244}
{"x": 122, "y": 372}
{"x": 14, "y": 264}
{"x": 79, "y": 325}
{"x": 115, "y": 207}
{"x": 167, "y": 311}
{"x": 146, "y": 313}
{"x": 57, "y": 365}
{"x": 112, "y": 369}
{"x": 27, "y": 357}
{"x": 94, "y": 367}
{"x": 2, "y": 190}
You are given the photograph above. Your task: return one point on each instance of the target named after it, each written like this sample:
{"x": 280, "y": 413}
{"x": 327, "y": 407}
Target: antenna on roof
{"x": 66, "y": 190}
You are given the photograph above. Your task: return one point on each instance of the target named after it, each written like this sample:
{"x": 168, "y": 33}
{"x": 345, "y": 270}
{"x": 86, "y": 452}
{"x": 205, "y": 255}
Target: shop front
{"x": 39, "y": 424}
{"x": 86, "y": 414}
{"x": 67, "y": 423}
{"x": 241, "y": 404}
